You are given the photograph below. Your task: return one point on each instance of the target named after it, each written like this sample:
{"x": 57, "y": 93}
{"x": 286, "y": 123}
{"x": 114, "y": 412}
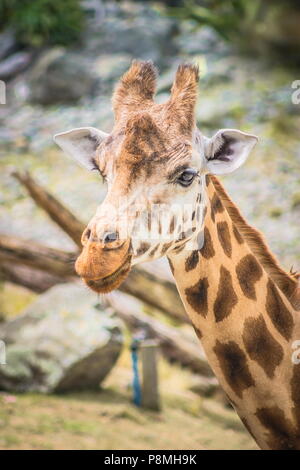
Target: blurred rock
{"x": 200, "y": 40}
{"x": 110, "y": 68}
{"x": 222, "y": 415}
{"x": 165, "y": 80}
{"x": 61, "y": 77}
{"x": 7, "y": 43}
{"x": 296, "y": 200}
{"x": 278, "y": 33}
{"x": 62, "y": 342}
{"x": 14, "y": 64}
{"x": 135, "y": 29}
{"x": 204, "y": 386}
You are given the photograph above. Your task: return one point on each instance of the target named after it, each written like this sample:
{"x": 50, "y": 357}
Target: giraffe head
{"x": 154, "y": 163}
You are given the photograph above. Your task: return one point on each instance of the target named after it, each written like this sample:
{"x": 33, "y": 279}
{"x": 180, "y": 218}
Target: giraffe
{"x": 244, "y": 307}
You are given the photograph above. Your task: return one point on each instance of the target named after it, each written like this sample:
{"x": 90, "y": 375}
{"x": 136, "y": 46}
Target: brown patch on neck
{"x": 196, "y": 296}
{"x": 207, "y": 251}
{"x": 198, "y": 332}
{"x": 192, "y": 260}
{"x": 281, "y": 318}
{"x": 224, "y": 238}
{"x": 248, "y": 273}
{"x": 216, "y": 206}
{"x": 261, "y": 346}
{"x": 282, "y": 434}
{"x": 233, "y": 363}
{"x": 226, "y": 296}
{"x": 286, "y": 283}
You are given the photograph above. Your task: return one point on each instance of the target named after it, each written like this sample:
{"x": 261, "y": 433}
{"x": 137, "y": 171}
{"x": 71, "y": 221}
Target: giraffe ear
{"x": 81, "y": 144}
{"x": 227, "y": 150}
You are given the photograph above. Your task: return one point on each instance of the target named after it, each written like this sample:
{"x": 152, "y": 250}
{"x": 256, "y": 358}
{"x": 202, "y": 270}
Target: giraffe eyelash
{"x": 96, "y": 168}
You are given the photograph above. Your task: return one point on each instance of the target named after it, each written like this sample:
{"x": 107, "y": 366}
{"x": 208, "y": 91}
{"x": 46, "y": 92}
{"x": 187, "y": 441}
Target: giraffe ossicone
{"x": 162, "y": 199}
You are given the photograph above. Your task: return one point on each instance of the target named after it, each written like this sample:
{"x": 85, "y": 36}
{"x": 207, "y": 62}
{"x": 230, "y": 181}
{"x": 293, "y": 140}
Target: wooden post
{"x": 150, "y": 393}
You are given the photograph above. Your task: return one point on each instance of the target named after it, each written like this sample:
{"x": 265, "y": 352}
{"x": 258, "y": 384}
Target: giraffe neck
{"x": 246, "y": 325}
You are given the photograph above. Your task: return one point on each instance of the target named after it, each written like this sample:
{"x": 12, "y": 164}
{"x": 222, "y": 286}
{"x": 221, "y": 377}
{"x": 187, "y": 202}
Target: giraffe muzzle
{"x": 111, "y": 282}
{"x": 103, "y": 270}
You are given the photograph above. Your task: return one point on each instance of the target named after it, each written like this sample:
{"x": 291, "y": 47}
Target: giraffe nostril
{"x": 110, "y": 237}
{"x": 87, "y": 234}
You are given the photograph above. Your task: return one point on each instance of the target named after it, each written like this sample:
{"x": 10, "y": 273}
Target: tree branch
{"x": 34, "y": 279}
{"x": 54, "y": 208}
{"x": 56, "y": 262}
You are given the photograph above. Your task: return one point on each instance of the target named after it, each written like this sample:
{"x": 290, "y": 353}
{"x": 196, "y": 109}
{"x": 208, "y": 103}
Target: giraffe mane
{"x": 288, "y": 283}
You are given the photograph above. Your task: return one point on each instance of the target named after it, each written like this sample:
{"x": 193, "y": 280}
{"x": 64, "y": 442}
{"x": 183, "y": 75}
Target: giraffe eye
{"x": 187, "y": 177}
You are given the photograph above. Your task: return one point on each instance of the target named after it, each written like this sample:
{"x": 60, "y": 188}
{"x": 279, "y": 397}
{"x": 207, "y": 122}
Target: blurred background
{"x": 68, "y": 381}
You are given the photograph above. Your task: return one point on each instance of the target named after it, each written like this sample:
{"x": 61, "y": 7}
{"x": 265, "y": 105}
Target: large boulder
{"x": 8, "y": 43}
{"x": 109, "y": 68}
{"x": 64, "y": 341}
{"x": 14, "y": 64}
{"x": 61, "y": 77}
{"x": 133, "y": 28}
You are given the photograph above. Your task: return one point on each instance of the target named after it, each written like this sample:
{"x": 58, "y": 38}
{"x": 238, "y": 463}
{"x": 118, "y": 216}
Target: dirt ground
{"x": 108, "y": 420}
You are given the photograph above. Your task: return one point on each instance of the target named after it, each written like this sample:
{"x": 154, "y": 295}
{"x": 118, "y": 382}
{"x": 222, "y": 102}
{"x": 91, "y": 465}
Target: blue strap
{"x": 137, "y": 393}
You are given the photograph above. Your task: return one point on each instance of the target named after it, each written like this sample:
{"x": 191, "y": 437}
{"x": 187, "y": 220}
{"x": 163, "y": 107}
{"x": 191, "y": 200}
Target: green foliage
{"x": 296, "y": 200}
{"x": 275, "y": 212}
{"x": 256, "y": 27}
{"x": 228, "y": 17}
{"x": 39, "y": 22}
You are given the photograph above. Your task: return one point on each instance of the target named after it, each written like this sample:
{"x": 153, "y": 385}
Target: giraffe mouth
{"x": 112, "y": 281}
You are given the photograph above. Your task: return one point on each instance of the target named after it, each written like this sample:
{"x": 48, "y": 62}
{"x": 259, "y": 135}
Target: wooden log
{"x": 175, "y": 345}
{"x": 14, "y": 64}
{"x": 34, "y": 279}
{"x": 158, "y": 293}
{"x": 28, "y": 253}
{"x": 54, "y": 208}
{"x": 150, "y": 391}
{"x": 8, "y": 43}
